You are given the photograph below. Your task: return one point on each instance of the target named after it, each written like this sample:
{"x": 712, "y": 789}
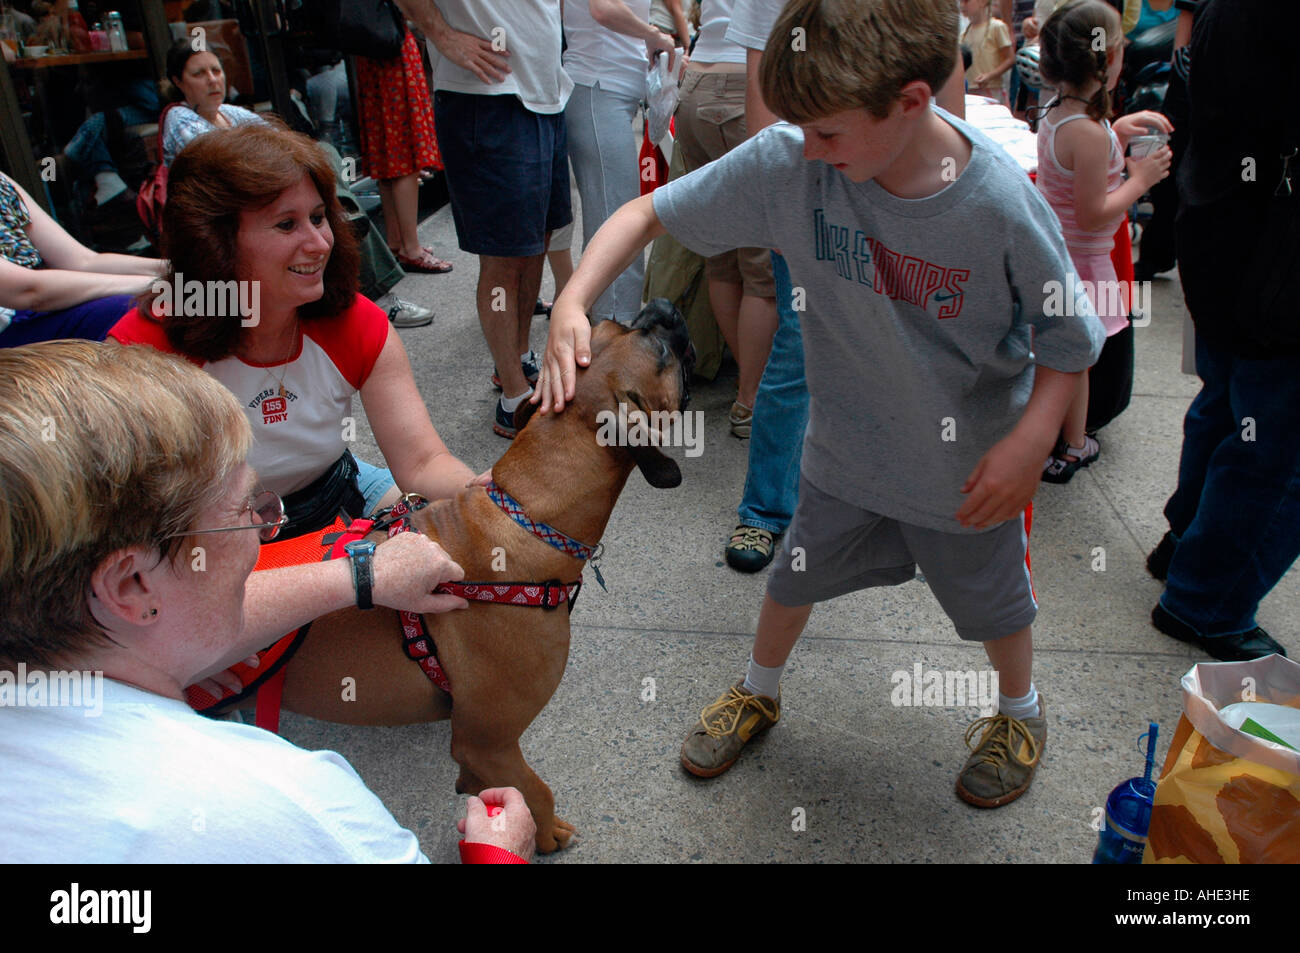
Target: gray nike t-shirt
{"x": 916, "y": 314}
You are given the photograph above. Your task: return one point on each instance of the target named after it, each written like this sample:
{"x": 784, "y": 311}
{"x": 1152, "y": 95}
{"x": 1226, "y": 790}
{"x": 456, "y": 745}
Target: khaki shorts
{"x": 982, "y": 580}
{"x": 710, "y": 123}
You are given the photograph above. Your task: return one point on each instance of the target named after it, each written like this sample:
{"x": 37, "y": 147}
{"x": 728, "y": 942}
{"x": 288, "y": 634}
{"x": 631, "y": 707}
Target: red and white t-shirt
{"x": 299, "y": 435}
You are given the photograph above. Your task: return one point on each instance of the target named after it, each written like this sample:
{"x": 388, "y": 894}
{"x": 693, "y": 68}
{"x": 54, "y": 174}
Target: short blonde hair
{"x": 102, "y": 447}
{"x": 831, "y": 56}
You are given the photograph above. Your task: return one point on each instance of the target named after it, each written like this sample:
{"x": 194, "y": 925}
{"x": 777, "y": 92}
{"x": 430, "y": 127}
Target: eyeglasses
{"x": 267, "y": 509}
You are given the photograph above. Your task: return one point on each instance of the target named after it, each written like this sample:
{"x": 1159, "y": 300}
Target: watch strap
{"x": 361, "y": 555}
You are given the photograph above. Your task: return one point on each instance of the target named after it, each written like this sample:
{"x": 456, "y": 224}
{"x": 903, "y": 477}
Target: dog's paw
{"x": 558, "y": 838}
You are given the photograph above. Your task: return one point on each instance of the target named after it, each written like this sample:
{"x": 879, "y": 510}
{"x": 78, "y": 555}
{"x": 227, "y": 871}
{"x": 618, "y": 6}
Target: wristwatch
{"x": 362, "y": 555}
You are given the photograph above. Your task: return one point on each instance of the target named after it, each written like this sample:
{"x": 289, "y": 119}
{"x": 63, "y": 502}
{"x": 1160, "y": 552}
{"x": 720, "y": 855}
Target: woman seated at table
{"x": 51, "y": 285}
{"x": 256, "y": 207}
{"x": 100, "y": 514}
{"x": 200, "y": 89}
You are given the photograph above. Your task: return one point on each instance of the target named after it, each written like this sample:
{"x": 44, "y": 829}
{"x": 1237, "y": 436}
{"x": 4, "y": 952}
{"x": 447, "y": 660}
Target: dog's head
{"x": 637, "y": 378}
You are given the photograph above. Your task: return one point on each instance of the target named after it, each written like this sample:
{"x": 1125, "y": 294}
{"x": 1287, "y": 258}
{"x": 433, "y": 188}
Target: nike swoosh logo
{"x": 939, "y": 297}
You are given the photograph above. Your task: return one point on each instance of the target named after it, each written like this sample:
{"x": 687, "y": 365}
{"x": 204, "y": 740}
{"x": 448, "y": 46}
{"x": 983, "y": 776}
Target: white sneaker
{"x": 405, "y": 314}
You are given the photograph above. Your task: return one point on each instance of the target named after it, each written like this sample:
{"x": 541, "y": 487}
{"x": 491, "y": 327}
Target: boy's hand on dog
{"x": 567, "y": 346}
{"x": 408, "y": 568}
{"x": 512, "y": 829}
{"x": 1002, "y": 483}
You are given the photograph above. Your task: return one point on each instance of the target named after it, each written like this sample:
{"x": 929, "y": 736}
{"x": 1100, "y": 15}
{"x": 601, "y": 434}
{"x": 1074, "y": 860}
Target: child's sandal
{"x": 1060, "y": 470}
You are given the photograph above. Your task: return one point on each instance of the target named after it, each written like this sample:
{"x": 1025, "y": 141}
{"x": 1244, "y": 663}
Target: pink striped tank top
{"x": 1057, "y": 185}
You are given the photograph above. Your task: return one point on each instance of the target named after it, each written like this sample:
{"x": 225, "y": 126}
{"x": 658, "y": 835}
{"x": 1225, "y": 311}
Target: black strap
{"x": 316, "y": 505}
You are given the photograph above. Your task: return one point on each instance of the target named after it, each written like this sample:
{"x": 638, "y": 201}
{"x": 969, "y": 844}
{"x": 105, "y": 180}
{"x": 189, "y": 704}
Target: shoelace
{"x": 751, "y": 537}
{"x": 732, "y": 706}
{"x": 999, "y": 744}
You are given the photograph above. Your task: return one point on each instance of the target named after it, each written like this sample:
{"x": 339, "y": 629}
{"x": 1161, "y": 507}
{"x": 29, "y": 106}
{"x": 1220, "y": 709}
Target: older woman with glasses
{"x": 262, "y": 294}
{"x": 119, "y": 469}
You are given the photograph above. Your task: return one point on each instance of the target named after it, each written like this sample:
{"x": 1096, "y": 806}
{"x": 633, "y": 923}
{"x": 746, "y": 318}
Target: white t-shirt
{"x": 530, "y": 31}
{"x": 752, "y": 22}
{"x": 713, "y": 46}
{"x": 299, "y": 435}
{"x": 596, "y": 53}
{"x": 150, "y": 781}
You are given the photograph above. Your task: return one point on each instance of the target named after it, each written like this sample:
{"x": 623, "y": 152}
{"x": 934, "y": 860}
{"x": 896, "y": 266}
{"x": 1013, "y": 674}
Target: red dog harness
{"x": 417, "y": 641}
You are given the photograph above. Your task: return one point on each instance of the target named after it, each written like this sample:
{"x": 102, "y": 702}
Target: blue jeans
{"x": 780, "y": 418}
{"x": 373, "y": 482}
{"x": 89, "y": 146}
{"x": 1236, "y": 512}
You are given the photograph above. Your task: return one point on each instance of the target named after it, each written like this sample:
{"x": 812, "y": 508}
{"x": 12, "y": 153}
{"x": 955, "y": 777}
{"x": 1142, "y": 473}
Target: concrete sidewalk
{"x": 874, "y": 782}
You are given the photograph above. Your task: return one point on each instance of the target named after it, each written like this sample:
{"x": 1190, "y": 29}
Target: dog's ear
{"x": 526, "y": 409}
{"x": 660, "y": 471}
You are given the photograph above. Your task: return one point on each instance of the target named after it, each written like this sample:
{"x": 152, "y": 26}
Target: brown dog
{"x": 504, "y": 662}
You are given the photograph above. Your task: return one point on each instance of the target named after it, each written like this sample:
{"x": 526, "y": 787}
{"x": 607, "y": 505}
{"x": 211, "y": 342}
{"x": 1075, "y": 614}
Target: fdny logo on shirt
{"x": 275, "y": 409}
{"x": 896, "y": 276}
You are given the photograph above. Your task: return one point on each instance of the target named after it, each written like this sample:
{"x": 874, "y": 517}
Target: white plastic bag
{"x": 661, "y": 95}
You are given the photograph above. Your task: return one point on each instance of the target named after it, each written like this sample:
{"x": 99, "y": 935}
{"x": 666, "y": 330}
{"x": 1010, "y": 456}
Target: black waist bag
{"x": 316, "y": 505}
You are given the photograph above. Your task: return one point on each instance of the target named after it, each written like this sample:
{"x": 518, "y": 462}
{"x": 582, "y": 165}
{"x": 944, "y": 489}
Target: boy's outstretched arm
{"x": 1005, "y": 479}
{"x": 623, "y": 236}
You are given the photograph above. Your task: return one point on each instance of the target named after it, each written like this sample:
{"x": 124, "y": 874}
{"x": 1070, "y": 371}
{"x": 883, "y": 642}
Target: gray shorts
{"x": 981, "y": 579}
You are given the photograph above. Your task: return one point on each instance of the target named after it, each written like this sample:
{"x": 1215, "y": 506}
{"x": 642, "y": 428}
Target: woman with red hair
{"x": 262, "y": 294}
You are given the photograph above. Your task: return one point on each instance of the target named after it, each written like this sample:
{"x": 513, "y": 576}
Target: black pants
{"x": 1110, "y": 380}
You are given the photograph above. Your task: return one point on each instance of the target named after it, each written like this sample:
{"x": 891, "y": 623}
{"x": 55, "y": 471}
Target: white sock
{"x": 511, "y": 404}
{"x": 762, "y": 680}
{"x": 1020, "y": 708}
{"x": 108, "y": 185}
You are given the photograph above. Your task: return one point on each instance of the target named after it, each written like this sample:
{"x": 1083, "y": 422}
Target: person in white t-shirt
{"x": 108, "y": 616}
{"x": 498, "y": 105}
{"x": 610, "y": 45}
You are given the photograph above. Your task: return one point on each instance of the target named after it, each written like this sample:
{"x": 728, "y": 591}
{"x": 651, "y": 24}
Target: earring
{"x": 151, "y": 612}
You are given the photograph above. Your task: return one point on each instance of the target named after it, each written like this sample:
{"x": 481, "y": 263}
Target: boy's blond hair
{"x": 830, "y": 56}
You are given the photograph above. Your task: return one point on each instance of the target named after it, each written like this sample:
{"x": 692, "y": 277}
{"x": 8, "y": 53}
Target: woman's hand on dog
{"x": 513, "y": 829}
{"x": 408, "y": 568}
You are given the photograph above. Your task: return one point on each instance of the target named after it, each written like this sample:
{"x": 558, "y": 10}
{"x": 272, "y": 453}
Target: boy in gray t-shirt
{"x": 930, "y": 266}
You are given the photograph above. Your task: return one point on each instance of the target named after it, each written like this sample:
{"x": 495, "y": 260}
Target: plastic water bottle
{"x": 1123, "y": 835}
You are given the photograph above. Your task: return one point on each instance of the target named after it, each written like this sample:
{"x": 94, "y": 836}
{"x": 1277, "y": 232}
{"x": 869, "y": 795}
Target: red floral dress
{"x": 396, "y": 115}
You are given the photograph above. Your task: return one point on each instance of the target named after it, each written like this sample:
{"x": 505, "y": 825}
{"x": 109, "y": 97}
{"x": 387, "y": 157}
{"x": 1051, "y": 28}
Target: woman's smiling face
{"x": 285, "y": 246}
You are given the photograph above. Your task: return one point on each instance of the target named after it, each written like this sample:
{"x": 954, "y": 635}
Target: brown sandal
{"x": 427, "y": 263}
